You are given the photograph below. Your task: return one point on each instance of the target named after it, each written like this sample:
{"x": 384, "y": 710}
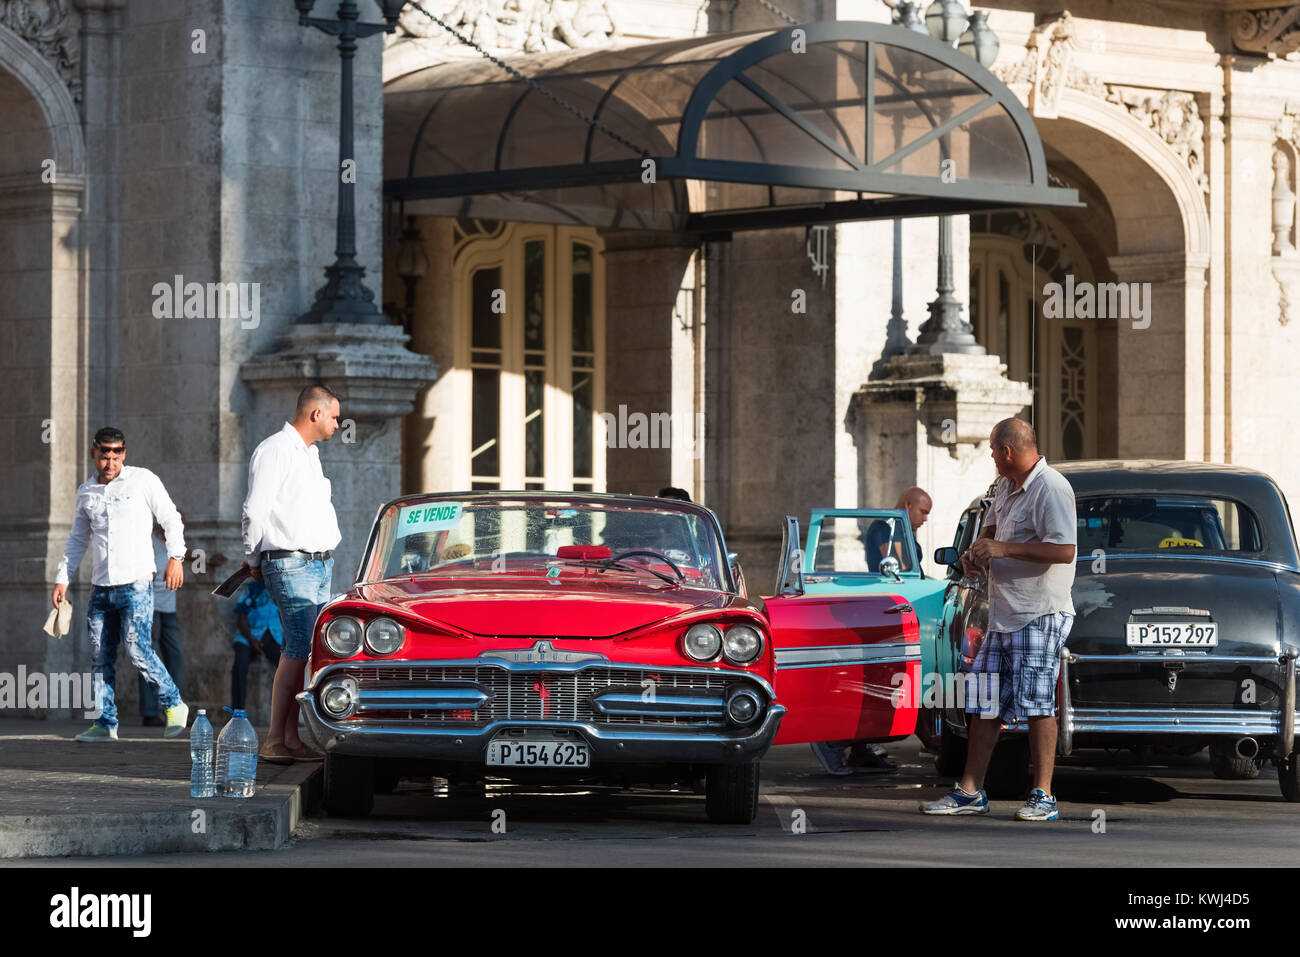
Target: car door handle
{"x": 899, "y": 609}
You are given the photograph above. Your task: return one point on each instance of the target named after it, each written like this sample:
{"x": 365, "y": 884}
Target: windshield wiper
{"x": 622, "y": 566}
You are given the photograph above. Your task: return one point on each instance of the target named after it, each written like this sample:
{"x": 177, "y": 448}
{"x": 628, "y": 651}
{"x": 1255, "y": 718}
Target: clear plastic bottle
{"x": 237, "y": 757}
{"x": 202, "y": 782}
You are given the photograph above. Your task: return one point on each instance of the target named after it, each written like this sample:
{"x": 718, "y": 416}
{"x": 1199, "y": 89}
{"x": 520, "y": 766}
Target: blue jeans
{"x": 168, "y": 629}
{"x": 131, "y": 606}
{"x": 299, "y": 587}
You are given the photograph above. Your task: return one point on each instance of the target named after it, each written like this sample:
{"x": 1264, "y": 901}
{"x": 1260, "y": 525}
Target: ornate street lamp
{"x": 412, "y": 263}
{"x": 946, "y": 330}
{"x": 345, "y": 297}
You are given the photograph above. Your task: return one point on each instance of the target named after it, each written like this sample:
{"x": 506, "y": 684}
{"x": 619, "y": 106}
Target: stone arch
{"x": 47, "y": 89}
{"x": 42, "y": 342}
{"x": 1161, "y": 361}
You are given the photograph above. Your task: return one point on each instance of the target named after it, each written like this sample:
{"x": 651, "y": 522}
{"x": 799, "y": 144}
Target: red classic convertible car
{"x": 579, "y": 637}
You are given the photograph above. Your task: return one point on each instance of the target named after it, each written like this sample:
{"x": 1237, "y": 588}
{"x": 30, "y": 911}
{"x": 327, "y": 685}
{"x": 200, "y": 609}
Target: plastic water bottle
{"x": 202, "y": 784}
{"x": 237, "y": 757}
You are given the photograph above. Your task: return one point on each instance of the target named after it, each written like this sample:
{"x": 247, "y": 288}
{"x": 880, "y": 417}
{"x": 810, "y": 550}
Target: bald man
{"x": 1027, "y": 545}
{"x": 916, "y": 502}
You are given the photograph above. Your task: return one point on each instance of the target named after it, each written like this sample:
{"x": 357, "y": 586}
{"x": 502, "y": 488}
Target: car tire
{"x": 950, "y": 761}
{"x": 1008, "y": 773}
{"x": 1288, "y": 775}
{"x": 386, "y": 777}
{"x": 731, "y": 793}
{"x": 1226, "y": 764}
{"x": 349, "y": 785}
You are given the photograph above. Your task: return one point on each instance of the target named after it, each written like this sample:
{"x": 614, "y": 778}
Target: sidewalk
{"x": 60, "y": 797}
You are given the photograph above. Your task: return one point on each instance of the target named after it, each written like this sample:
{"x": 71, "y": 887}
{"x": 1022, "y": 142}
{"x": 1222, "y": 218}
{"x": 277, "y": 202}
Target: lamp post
{"x": 345, "y": 297}
{"x": 412, "y": 263}
{"x": 946, "y": 330}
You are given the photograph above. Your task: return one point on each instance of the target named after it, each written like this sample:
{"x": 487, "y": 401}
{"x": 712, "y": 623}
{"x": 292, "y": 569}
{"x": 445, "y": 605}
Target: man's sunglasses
{"x": 111, "y": 450}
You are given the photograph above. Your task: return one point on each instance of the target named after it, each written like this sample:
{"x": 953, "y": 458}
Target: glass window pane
{"x": 534, "y": 295}
{"x": 534, "y": 433}
{"x": 486, "y": 324}
{"x": 582, "y": 425}
{"x": 485, "y": 457}
{"x": 583, "y": 333}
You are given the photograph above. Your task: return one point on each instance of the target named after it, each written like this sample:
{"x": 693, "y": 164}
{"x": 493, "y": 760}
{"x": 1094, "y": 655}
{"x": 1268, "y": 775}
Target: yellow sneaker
{"x": 97, "y": 732}
{"x": 176, "y": 718}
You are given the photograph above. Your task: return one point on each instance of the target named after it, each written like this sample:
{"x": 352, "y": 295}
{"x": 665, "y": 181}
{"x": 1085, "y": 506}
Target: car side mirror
{"x": 947, "y": 556}
{"x": 890, "y": 566}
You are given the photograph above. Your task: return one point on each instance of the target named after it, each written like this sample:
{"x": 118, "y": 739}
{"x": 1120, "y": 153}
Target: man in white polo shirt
{"x": 1028, "y": 546}
{"x": 115, "y": 514}
{"x": 290, "y": 532}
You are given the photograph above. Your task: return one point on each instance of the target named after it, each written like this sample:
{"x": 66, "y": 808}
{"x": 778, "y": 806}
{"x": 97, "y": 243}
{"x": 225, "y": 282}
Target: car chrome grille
{"x": 519, "y": 696}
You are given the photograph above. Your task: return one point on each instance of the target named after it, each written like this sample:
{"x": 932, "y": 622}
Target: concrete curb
{"x": 263, "y": 822}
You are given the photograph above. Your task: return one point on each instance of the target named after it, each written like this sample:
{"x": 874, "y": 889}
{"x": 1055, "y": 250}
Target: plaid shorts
{"x": 1017, "y": 670}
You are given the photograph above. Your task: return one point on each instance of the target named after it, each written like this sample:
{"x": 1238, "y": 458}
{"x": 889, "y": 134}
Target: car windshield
{"x": 544, "y": 538}
{"x": 1176, "y": 524}
{"x": 857, "y": 544}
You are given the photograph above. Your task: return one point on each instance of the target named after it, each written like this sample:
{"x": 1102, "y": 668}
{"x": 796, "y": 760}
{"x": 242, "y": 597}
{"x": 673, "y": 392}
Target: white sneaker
{"x": 176, "y": 719}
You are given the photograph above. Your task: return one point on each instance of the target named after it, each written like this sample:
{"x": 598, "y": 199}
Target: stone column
{"x": 926, "y": 422}
{"x": 643, "y": 276}
{"x": 1161, "y": 357}
{"x": 377, "y": 379}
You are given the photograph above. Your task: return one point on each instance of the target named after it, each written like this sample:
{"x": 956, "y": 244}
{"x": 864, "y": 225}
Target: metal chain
{"x": 534, "y": 85}
{"x": 779, "y": 12}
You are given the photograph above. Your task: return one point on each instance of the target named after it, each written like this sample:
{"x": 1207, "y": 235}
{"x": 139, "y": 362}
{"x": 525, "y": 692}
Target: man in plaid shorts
{"x": 1028, "y": 545}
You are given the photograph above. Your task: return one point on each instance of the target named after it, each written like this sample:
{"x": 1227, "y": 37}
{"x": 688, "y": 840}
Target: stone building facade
{"x": 153, "y": 139}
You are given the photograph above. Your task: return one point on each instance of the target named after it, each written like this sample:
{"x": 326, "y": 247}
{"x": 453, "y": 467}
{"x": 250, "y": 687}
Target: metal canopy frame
{"x": 880, "y": 187}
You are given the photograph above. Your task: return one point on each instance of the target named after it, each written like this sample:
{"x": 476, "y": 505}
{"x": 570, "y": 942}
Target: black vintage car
{"x": 1187, "y": 602}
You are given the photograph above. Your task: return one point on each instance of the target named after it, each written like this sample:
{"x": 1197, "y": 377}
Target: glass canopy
{"x": 824, "y": 122}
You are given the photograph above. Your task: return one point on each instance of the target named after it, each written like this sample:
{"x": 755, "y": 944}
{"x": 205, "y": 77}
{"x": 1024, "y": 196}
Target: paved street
{"x": 1172, "y": 815}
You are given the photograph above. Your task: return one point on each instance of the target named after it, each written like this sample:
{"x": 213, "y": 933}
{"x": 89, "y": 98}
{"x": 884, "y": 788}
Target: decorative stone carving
{"x": 510, "y": 26}
{"x": 1174, "y": 117}
{"x": 1272, "y": 28}
{"x": 1283, "y": 202}
{"x": 51, "y": 27}
{"x": 1047, "y": 68}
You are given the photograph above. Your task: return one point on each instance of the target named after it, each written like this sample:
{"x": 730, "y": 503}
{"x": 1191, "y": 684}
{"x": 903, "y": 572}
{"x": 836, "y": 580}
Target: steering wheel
{"x": 645, "y": 551}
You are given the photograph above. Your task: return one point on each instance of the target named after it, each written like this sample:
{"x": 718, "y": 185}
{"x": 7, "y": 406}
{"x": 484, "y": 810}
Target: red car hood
{"x": 531, "y": 607}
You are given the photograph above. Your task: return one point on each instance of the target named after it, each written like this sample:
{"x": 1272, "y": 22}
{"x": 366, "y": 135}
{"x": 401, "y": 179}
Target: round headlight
{"x": 743, "y": 707}
{"x": 702, "y": 642}
{"x": 343, "y": 637}
{"x": 338, "y": 697}
{"x": 384, "y": 636}
{"x": 742, "y": 644}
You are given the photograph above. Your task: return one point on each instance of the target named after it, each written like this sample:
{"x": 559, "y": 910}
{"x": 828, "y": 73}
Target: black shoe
{"x": 152, "y": 721}
{"x": 870, "y": 759}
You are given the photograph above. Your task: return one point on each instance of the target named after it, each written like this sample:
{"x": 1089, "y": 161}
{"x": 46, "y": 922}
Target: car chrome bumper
{"x": 1279, "y": 724}
{"x": 614, "y": 744}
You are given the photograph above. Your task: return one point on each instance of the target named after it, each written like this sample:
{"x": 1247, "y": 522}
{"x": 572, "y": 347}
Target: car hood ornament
{"x": 542, "y": 651}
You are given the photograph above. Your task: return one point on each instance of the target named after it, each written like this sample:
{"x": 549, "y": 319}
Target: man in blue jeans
{"x": 290, "y": 532}
{"x": 115, "y": 514}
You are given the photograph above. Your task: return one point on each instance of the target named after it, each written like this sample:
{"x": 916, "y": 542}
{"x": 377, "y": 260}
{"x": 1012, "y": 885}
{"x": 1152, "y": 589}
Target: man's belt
{"x": 295, "y": 553}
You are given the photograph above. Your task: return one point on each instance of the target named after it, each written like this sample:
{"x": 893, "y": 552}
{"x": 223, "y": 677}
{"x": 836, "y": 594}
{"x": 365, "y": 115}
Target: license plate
{"x": 539, "y": 754}
{"x": 1173, "y": 634}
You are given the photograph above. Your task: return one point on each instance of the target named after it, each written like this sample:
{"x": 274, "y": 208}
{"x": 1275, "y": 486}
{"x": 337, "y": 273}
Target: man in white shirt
{"x": 290, "y": 532}
{"x": 115, "y": 514}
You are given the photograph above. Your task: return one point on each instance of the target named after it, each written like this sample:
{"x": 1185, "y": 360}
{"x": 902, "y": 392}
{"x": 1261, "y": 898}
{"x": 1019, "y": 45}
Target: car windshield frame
{"x": 817, "y": 522}
{"x": 713, "y": 551}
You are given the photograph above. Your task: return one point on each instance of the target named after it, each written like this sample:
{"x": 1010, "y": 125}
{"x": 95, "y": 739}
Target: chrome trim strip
{"x": 1270, "y": 658}
{"x": 1286, "y": 740}
{"x": 680, "y": 706}
{"x": 431, "y": 699}
{"x": 1112, "y": 556}
{"x": 533, "y": 666}
{"x": 821, "y": 656}
{"x": 1065, "y": 726}
{"x": 1207, "y": 721}
{"x": 619, "y": 743}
